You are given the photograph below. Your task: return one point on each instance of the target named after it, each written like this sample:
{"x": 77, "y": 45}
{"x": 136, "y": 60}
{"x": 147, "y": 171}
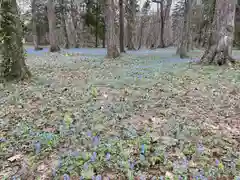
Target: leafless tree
{"x": 221, "y": 35}
{"x": 36, "y": 37}
{"x": 52, "y": 26}
{"x": 183, "y": 44}
{"x": 121, "y": 26}
{"x": 63, "y": 23}
{"x": 112, "y": 50}
{"x": 131, "y": 16}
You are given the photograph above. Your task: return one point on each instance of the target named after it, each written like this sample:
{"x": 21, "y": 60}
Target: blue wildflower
{"x": 89, "y": 133}
{"x": 108, "y": 156}
{"x": 31, "y": 133}
{"x": 98, "y": 177}
{"x": 85, "y": 166}
{"x": 161, "y": 178}
{"x": 201, "y": 172}
{"x": 131, "y": 164}
{"x": 217, "y": 162}
{"x": 200, "y": 148}
{"x": 81, "y": 178}
{"x": 142, "y": 177}
{"x": 2, "y": 140}
{"x": 185, "y": 163}
{"x": 66, "y": 177}
{"x": 143, "y": 149}
{"x": 37, "y": 147}
{"x": 94, "y": 157}
{"x": 75, "y": 154}
{"x": 96, "y": 140}
{"x": 201, "y": 177}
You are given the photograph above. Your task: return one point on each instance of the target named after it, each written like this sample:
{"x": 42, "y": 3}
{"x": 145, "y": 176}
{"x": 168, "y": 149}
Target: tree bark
{"x": 144, "y": 12}
{"x": 162, "y": 24}
{"x": 130, "y": 24}
{"x": 112, "y": 50}
{"x": 63, "y": 23}
{"x": 12, "y": 65}
{"x": 104, "y": 32}
{"x": 75, "y": 25}
{"x": 219, "y": 51}
{"x": 96, "y": 25}
{"x": 182, "y": 47}
{"x": 52, "y": 26}
{"x": 121, "y": 23}
{"x": 141, "y": 34}
{"x": 34, "y": 26}
{"x": 167, "y": 24}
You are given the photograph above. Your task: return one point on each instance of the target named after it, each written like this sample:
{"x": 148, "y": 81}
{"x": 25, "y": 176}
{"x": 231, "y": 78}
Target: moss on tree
{"x": 12, "y": 58}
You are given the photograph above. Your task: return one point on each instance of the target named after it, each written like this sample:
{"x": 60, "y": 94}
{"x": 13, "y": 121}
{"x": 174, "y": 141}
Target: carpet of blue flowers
{"x": 142, "y": 116}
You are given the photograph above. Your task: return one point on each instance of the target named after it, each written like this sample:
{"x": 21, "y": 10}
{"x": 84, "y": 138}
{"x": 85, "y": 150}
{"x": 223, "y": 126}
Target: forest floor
{"x": 140, "y": 116}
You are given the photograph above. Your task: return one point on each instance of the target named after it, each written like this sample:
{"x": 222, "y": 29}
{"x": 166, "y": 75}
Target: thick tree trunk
{"x": 162, "y": 24}
{"x": 121, "y": 23}
{"x": 112, "y": 50}
{"x": 96, "y": 25}
{"x": 183, "y": 45}
{"x": 221, "y": 38}
{"x": 130, "y": 24}
{"x": 34, "y": 26}
{"x": 75, "y": 25}
{"x": 167, "y": 26}
{"x": 63, "y": 23}
{"x": 12, "y": 57}
{"x": 52, "y": 26}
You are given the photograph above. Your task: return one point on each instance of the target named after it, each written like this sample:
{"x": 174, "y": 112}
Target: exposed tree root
{"x": 215, "y": 57}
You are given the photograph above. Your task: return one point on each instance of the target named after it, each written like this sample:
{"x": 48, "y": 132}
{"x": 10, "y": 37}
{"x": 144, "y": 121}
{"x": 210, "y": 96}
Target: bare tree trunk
{"x": 52, "y": 26}
{"x": 190, "y": 39}
{"x": 112, "y": 50}
{"x": 63, "y": 23}
{"x": 12, "y": 65}
{"x": 167, "y": 34}
{"x": 182, "y": 48}
{"x": 220, "y": 43}
{"x": 75, "y": 25}
{"x": 141, "y": 34}
{"x": 121, "y": 23}
{"x": 34, "y": 26}
{"x": 104, "y": 32}
{"x": 162, "y": 23}
{"x": 130, "y": 24}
